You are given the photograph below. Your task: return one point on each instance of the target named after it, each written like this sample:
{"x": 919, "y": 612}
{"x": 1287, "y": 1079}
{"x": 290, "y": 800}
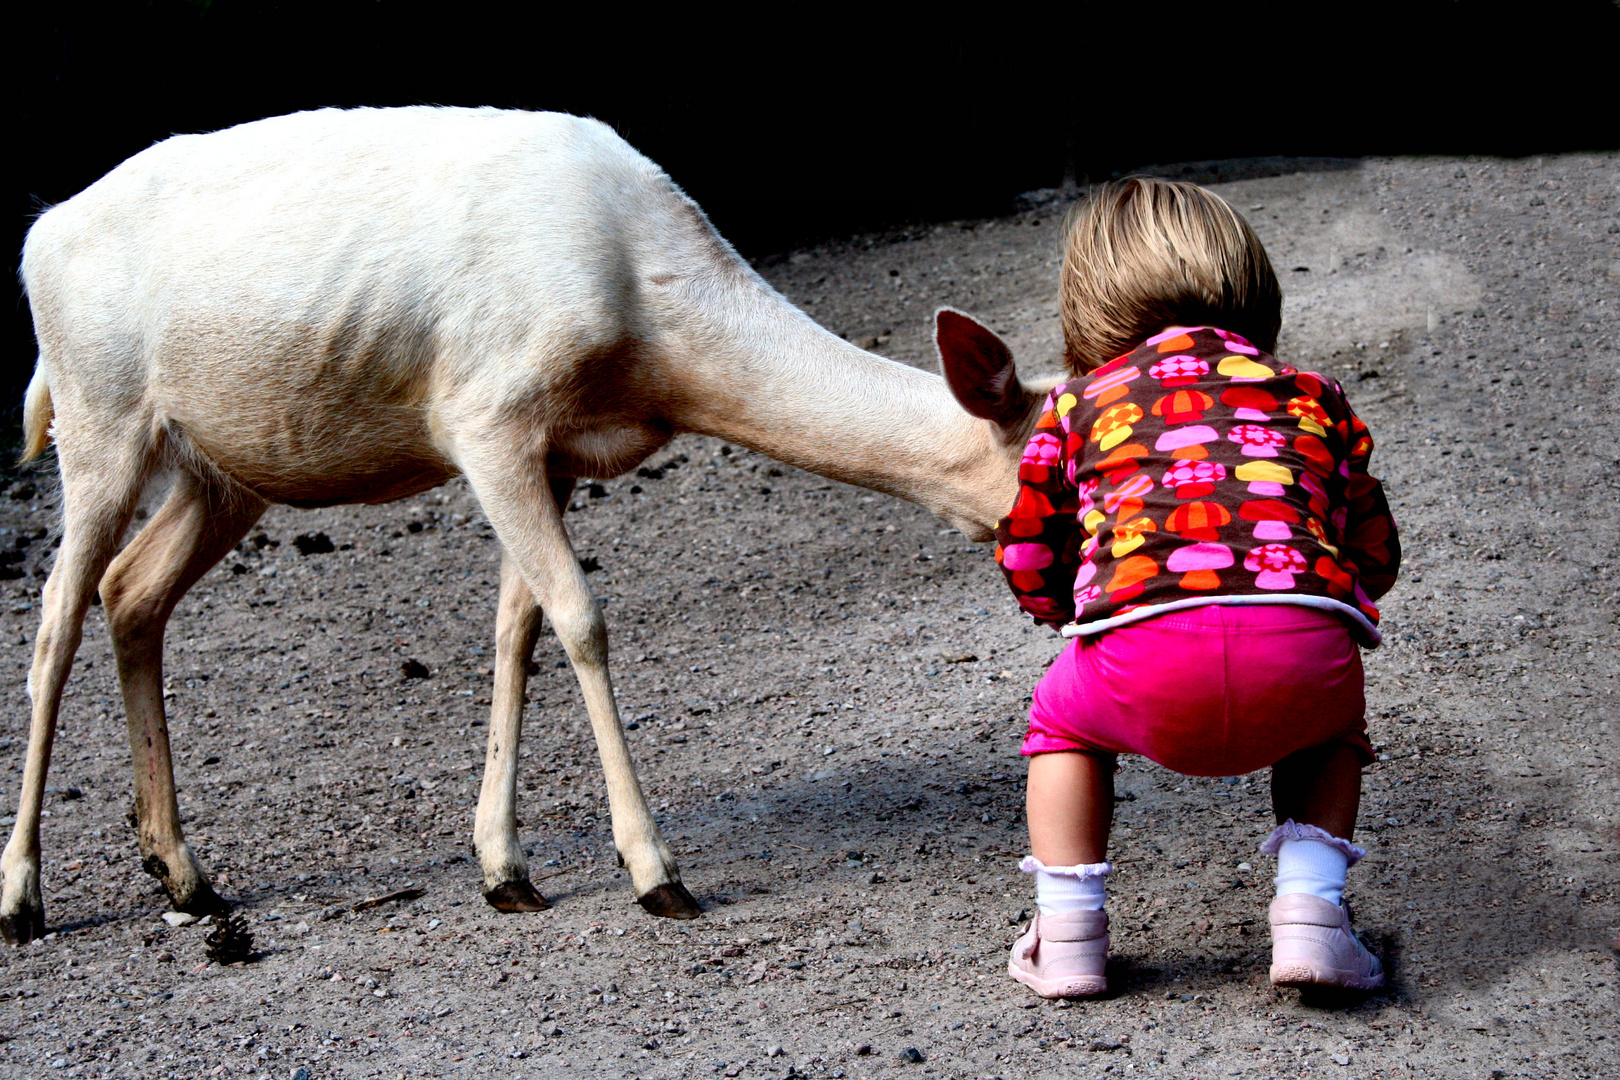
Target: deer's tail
{"x": 37, "y": 415}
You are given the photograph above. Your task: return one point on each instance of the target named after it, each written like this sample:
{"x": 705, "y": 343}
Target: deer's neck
{"x": 767, "y": 377}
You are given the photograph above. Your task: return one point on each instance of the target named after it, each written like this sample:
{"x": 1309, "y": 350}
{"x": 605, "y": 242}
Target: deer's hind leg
{"x": 199, "y": 522}
{"x": 528, "y": 520}
{"x": 103, "y": 473}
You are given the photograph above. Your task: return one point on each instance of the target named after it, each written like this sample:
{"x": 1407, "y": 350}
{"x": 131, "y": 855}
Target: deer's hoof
{"x": 670, "y": 901}
{"x": 516, "y": 896}
{"x": 21, "y": 927}
{"x": 202, "y": 902}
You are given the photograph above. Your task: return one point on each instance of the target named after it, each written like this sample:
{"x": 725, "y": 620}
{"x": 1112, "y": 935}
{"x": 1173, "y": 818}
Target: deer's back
{"x": 308, "y": 298}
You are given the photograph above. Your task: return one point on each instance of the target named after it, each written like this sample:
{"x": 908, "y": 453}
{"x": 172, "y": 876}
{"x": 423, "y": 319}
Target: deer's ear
{"x": 978, "y": 368}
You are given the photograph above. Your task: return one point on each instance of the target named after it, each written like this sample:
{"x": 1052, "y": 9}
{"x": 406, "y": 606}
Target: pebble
{"x": 179, "y": 918}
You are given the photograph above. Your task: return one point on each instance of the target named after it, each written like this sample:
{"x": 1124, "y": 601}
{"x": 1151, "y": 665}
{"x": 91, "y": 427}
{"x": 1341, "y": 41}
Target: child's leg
{"x": 1070, "y": 803}
{"x": 1070, "y": 806}
{"x": 1320, "y": 786}
{"x": 1316, "y": 794}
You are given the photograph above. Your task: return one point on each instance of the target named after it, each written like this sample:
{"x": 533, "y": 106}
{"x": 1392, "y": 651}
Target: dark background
{"x": 789, "y": 124}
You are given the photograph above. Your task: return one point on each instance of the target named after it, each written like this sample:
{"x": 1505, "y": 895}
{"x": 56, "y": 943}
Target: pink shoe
{"x": 1312, "y": 945}
{"x": 1063, "y": 956}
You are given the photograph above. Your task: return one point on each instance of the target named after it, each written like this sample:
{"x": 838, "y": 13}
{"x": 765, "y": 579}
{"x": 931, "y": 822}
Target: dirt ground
{"x": 827, "y": 688}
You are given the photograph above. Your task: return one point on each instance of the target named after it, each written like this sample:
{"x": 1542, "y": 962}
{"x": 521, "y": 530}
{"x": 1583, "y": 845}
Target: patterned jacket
{"x": 1197, "y": 470}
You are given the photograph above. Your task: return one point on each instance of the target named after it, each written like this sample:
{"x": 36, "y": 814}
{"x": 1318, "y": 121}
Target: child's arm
{"x": 1037, "y": 543}
{"x": 1370, "y": 536}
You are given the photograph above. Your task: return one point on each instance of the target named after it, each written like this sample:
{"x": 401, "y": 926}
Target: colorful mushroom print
{"x": 1197, "y": 469}
{"x": 1114, "y": 425}
{"x": 1043, "y": 450}
{"x": 1198, "y": 520}
{"x": 1183, "y": 406}
{"x": 1110, "y": 387}
{"x": 1187, "y": 442}
{"x": 1194, "y": 479}
{"x": 1272, "y": 518}
{"x": 1197, "y": 563}
{"x": 1257, "y": 441}
{"x": 1275, "y": 566}
{"x": 1175, "y": 371}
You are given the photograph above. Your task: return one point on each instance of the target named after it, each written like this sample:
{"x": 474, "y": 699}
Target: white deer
{"x": 355, "y": 306}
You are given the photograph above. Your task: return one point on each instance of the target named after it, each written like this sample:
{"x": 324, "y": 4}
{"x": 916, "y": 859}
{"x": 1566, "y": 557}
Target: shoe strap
{"x": 1321, "y": 913}
{"x": 1081, "y": 926}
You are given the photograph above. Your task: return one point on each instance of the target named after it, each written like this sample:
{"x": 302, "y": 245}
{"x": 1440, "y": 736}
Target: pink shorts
{"x": 1206, "y": 691}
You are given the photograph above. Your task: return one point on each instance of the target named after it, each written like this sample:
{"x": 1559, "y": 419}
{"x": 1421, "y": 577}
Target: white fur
{"x": 354, "y": 306}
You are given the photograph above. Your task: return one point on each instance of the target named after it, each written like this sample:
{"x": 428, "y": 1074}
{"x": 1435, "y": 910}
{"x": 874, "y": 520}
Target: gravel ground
{"x": 827, "y": 694}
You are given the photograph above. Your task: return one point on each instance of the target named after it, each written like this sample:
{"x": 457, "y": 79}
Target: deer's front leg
{"x": 506, "y": 871}
{"x": 528, "y": 521}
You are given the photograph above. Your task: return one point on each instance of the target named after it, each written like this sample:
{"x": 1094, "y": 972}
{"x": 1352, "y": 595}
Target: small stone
{"x": 300, "y": 1073}
{"x": 912, "y": 1056}
{"x": 1341, "y": 1058}
{"x": 774, "y": 1051}
{"x": 863, "y": 1049}
{"x": 313, "y": 543}
{"x": 550, "y": 1031}
{"x": 178, "y": 919}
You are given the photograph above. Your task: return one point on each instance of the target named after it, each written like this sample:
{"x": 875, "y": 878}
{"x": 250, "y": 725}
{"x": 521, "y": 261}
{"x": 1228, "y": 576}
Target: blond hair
{"x": 1143, "y": 254}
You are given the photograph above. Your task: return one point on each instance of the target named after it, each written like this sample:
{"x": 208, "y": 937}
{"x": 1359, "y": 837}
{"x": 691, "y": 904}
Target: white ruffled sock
{"x": 1062, "y": 889}
{"x": 1311, "y": 860}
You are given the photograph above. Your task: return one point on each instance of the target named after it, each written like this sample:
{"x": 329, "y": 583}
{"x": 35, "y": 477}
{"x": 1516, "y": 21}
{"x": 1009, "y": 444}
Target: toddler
{"x": 1198, "y": 517}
